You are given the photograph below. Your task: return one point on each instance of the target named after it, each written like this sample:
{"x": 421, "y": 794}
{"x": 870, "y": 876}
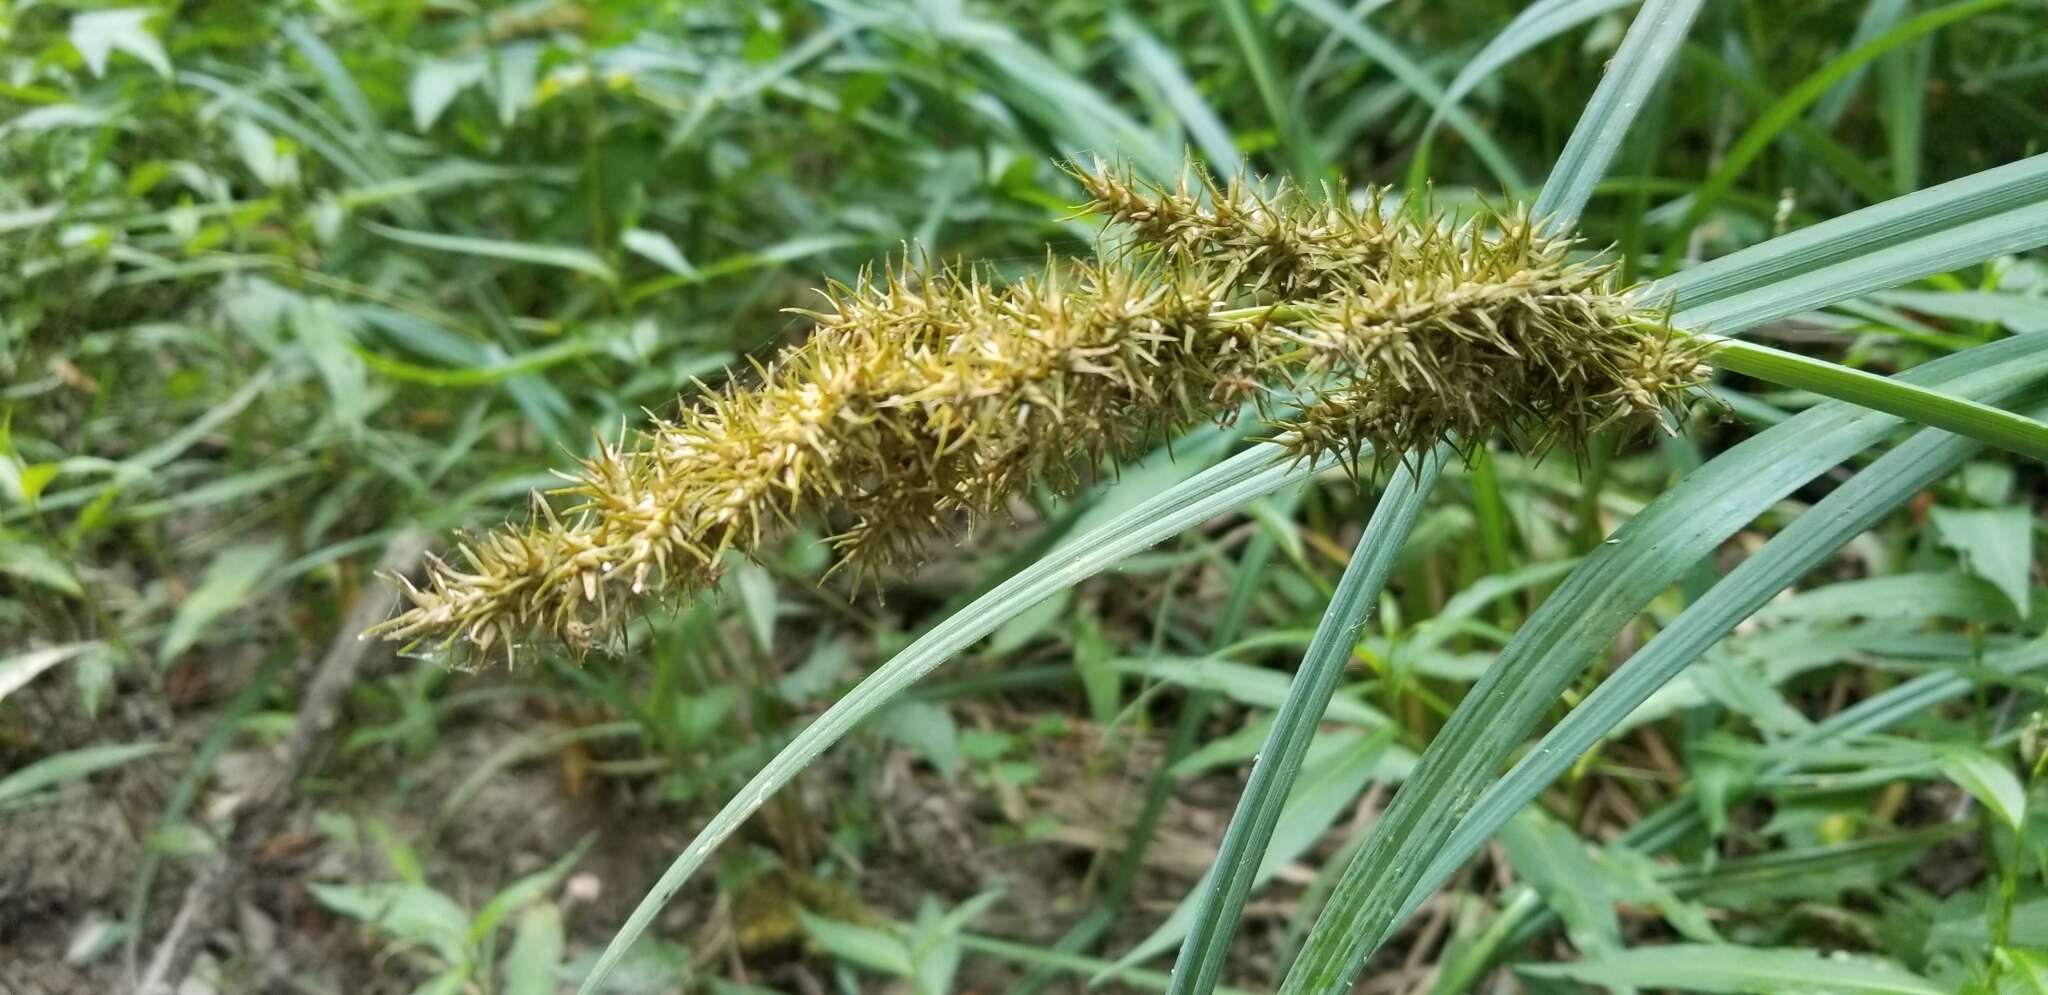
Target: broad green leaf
{"x": 436, "y": 84}
{"x": 449, "y": 982}
{"x": 759, "y": 600}
{"x": 339, "y": 153}
{"x": 325, "y": 332}
{"x": 1741, "y": 970}
{"x": 934, "y": 941}
{"x": 926, "y": 727}
{"x": 19, "y": 669}
{"x": 232, "y": 577}
{"x": 1737, "y": 689}
{"x": 259, "y": 150}
{"x": 33, "y": 479}
{"x": 70, "y": 766}
{"x": 411, "y": 913}
{"x": 1988, "y": 779}
{"x": 518, "y": 69}
{"x": 875, "y": 949}
{"x": 1911, "y": 596}
{"x": 1095, "y": 664}
{"x": 1552, "y": 859}
{"x": 658, "y": 249}
{"x": 2028, "y": 967}
{"x": 523, "y": 893}
{"x": 1996, "y": 544}
{"x": 28, "y": 558}
{"x": 99, "y": 33}
{"x": 536, "y": 952}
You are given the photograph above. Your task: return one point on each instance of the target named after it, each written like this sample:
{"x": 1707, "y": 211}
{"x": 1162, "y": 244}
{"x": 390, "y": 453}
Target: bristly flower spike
{"x": 926, "y": 396}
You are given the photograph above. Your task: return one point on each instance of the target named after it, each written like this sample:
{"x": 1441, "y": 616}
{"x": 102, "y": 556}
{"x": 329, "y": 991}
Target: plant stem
{"x": 1986, "y": 424}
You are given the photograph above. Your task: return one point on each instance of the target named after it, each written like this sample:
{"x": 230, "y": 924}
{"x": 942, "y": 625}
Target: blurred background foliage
{"x": 284, "y": 281}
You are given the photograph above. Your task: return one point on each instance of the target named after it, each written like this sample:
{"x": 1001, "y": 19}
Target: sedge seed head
{"x": 923, "y": 397}
{"x": 926, "y": 396}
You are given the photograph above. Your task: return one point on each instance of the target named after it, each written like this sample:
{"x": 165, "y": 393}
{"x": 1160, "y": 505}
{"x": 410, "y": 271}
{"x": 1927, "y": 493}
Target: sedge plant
{"x": 928, "y": 396}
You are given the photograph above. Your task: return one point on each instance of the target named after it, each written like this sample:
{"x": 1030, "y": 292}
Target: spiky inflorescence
{"x": 1268, "y": 241}
{"x": 1478, "y": 330}
{"x": 918, "y": 398}
{"x": 1406, "y": 329}
{"x": 923, "y": 397}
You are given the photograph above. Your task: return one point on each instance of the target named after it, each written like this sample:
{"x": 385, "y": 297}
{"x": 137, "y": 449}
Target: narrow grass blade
{"x": 1253, "y": 473}
{"x": 69, "y": 766}
{"x": 342, "y": 88}
{"x": 1738, "y": 969}
{"x": 1901, "y": 220}
{"x": 1878, "y": 17}
{"x": 241, "y": 100}
{"x": 1200, "y": 964}
{"x": 1795, "y": 102}
{"x": 565, "y": 256}
{"x": 2004, "y": 429}
{"x": 1159, "y": 65}
{"x": 1569, "y": 631}
{"x": 1847, "y": 165}
{"x": 1303, "y": 156}
{"x": 1538, "y": 23}
{"x": 2015, "y": 230}
{"x": 1655, "y": 34}
{"x": 1855, "y": 506}
{"x": 1034, "y": 83}
{"x": 531, "y": 361}
{"x": 1414, "y": 77}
